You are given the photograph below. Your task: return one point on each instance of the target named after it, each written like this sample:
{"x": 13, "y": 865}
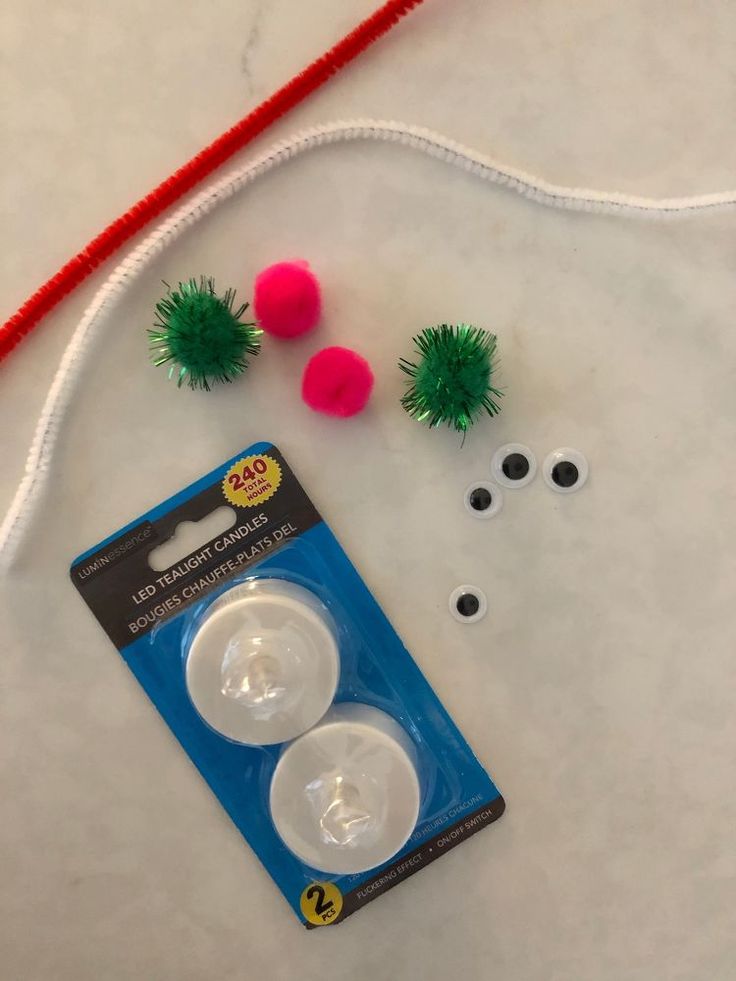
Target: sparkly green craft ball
{"x": 201, "y": 336}
{"x": 451, "y": 382}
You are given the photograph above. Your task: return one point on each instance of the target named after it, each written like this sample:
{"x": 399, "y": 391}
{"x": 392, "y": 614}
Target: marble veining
{"x": 598, "y": 688}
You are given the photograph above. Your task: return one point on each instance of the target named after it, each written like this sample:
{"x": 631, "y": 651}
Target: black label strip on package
{"x": 433, "y": 848}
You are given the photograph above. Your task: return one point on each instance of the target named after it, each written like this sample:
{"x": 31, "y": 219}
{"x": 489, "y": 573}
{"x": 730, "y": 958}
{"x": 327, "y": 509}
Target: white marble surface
{"x": 599, "y": 689}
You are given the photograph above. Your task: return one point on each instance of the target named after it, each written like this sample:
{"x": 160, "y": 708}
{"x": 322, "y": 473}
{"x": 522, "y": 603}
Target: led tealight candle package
{"x": 275, "y": 668}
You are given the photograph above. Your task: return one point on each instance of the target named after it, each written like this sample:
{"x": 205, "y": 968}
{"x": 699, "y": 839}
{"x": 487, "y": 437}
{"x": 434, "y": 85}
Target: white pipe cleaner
{"x": 433, "y": 144}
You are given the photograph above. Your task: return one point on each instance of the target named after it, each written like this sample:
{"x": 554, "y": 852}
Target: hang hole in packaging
{"x": 190, "y": 536}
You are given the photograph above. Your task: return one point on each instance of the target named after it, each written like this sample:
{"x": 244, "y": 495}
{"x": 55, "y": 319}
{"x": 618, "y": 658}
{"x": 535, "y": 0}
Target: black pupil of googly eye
{"x": 565, "y": 474}
{"x": 515, "y": 466}
{"x": 467, "y": 605}
{"x": 480, "y": 499}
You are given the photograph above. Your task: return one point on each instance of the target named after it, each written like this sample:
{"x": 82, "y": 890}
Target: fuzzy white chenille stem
{"x": 415, "y": 137}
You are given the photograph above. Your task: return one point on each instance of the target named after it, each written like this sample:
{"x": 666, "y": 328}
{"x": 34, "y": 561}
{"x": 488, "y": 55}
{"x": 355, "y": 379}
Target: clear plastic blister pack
{"x": 279, "y": 674}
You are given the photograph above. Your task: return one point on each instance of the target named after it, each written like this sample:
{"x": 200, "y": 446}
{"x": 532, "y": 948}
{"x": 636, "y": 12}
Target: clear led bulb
{"x": 345, "y": 796}
{"x": 263, "y": 665}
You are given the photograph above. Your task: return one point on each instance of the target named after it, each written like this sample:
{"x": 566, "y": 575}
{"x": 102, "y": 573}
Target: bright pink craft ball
{"x": 337, "y": 381}
{"x": 287, "y": 299}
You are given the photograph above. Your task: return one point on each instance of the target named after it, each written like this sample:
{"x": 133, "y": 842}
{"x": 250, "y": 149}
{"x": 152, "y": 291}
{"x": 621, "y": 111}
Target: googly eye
{"x": 468, "y": 604}
{"x": 565, "y": 470}
{"x": 483, "y": 500}
{"x": 513, "y": 465}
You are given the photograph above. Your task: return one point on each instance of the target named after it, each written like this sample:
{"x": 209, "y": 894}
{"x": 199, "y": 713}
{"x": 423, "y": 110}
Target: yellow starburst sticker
{"x": 252, "y": 480}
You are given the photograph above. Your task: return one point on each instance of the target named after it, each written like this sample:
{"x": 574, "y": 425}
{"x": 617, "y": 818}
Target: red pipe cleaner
{"x": 195, "y": 170}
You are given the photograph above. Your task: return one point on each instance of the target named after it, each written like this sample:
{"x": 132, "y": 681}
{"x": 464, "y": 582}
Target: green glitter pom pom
{"x": 201, "y": 336}
{"x": 452, "y": 382}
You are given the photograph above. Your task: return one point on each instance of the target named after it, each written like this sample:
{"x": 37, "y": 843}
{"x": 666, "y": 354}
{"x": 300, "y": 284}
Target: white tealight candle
{"x": 345, "y": 796}
{"x": 263, "y": 665}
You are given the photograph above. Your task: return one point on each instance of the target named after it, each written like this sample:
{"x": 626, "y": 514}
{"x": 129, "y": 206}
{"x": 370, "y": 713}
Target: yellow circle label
{"x": 252, "y": 480}
{"x": 321, "y": 903}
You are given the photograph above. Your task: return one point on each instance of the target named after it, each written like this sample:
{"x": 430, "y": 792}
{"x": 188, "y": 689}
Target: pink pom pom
{"x": 287, "y": 299}
{"x": 337, "y": 381}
